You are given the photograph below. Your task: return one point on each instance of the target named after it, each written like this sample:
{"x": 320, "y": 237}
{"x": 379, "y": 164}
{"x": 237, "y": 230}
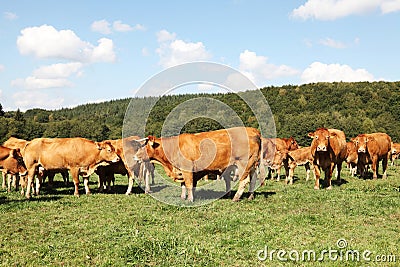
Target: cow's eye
{"x": 316, "y": 137}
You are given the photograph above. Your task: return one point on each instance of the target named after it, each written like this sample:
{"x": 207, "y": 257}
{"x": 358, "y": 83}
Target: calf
{"x": 352, "y": 158}
{"x": 11, "y": 163}
{"x": 371, "y": 149}
{"x": 328, "y": 149}
{"x": 395, "y": 153}
{"x": 299, "y": 157}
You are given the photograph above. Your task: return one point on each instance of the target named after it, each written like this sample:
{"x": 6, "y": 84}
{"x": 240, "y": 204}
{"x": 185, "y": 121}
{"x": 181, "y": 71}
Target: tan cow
{"x": 352, "y": 158}
{"x": 143, "y": 171}
{"x": 371, "y": 149}
{"x": 299, "y": 157}
{"x": 395, "y": 153}
{"x": 78, "y": 155}
{"x": 329, "y": 150}
{"x": 189, "y": 157}
{"x": 11, "y": 163}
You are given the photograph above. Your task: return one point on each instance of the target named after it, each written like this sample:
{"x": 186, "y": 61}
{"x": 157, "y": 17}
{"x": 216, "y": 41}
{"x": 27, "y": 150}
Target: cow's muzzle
{"x": 361, "y": 150}
{"x": 321, "y": 148}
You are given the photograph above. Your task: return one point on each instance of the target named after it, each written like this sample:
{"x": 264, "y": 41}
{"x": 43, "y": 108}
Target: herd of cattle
{"x": 238, "y": 153}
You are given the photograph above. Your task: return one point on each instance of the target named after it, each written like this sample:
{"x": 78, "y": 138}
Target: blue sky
{"x": 64, "y": 53}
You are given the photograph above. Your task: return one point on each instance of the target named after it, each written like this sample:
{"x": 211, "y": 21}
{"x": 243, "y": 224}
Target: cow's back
{"x": 338, "y": 144}
{"x": 381, "y": 145}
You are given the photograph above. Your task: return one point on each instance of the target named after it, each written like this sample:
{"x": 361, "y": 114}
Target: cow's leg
{"x": 65, "y": 177}
{"x": 147, "y": 189}
{"x": 317, "y": 176}
{"x": 183, "y": 192}
{"x": 51, "y": 179}
{"x": 286, "y": 166}
{"x": 130, "y": 185}
{"x": 31, "y": 175}
{"x": 384, "y": 166}
{"x": 374, "y": 167}
{"x": 253, "y": 181}
{"x": 39, "y": 179}
{"x": 188, "y": 178}
{"x": 338, "y": 170}
{"x": 3, "y": 185}
{"x": 308, "y": 169}
{"x": 9, "y": 178}
{"x": 86, "y": 184}
{"x": 75, "y": 179}
{"x": 242, "y": 184}
{"x": 227, "y": 178}
{"x": 328, "y": 176}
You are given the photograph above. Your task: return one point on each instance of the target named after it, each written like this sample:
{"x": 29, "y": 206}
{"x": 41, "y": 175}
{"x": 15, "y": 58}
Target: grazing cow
{"x": 140, "y": 170}
{"x": 188, "y": 157}
{"x": 11, "y": 163}
{"x": 328, "y": 149}
{"x": 395, "y": 153}
{"x": 299, "y": 157}
{"x": 352, "y": 158}
{"x": 371, "y": 149}
{"x": 78, "y": 155}
{"x": 13, "y": 142}
{"x": 271, "y": 145}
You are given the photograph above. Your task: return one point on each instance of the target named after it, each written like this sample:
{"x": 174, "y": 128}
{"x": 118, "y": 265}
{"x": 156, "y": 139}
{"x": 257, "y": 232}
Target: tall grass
{"x": 58, "y": 229}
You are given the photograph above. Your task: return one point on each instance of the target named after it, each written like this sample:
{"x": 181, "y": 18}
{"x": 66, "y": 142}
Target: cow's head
{"x": 107, "y": 152}
{"x": 361, "y": 143}
{"x": 292, "y": 144}
{"x": 14, "y": 163}
{"x": 321, "y": 139}
{"x": 278, "y": 159}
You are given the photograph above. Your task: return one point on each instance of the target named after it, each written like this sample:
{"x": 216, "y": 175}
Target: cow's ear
{"x": 98, "y": 145}
{"x": 311, "y": 135}
{"x": 353, "y": 139}
{"x": 14, "y": 153}
{"x": 151, "y": 140}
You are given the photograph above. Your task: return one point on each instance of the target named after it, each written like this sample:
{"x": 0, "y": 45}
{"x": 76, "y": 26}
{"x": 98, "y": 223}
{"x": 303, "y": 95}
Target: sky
{"x": 60, "y": 54}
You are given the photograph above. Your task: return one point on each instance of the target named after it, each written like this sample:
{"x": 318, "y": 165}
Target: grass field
{"x": 358, "y": 218}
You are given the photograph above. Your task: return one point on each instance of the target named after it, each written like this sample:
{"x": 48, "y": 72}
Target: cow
{"x": 395, "y": 153}
{"x": 270, "y": 146}
{"x": 371, "y": 149}
{"x": 140, "y": 170}
{"x": 11, "y": 163}
{"x": 352, "y": 158}
{"x": 78, "y": 155}
{"x": 13, "y": 142}
{"x": 328, "y": 149}
{"x": 299, "y": 157}
{"x": 188, "y": 157}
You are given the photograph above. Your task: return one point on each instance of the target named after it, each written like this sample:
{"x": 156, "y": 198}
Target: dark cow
{"x": 328, "y": 149}
{"x": 11, "y": 163}
{"x": 78, "y": 155}
{"x": 371, "y": 149}
{"x": 189, "y": 157}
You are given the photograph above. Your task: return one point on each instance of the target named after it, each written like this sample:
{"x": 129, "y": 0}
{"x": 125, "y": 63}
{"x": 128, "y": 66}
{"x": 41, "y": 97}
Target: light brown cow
{"x": 13, "y": 142}
{"x": 300, "y": 157}
{"x": 395, "y": 153}
{"x": 270, "y": 146}
{"x": 78, "y": 155}
{"x": 11, "y": 163}
{"x": 352, "y": 158}
{"x": 371, "y": 149}
{"x": 328, "y": 149}
{"x": 189, "y": 157}
{"x": 143, "y": 170}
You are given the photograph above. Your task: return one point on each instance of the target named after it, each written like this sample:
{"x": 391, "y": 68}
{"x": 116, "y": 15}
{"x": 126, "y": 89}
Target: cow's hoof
{"x": 316, "y": 187}
{"x": 329, "y": 188}
{"x": 88, "y": 193}
{"x": 251, "y": 197}
{"x": 235, "y": 199}
{"x": 128, "y": 193}
{"x": 28, "y": 197}
{"x": 148, "y": 192}
{"x": 76, "y": 195}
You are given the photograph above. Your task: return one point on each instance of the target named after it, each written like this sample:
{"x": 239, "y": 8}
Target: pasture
{"x": 58, "y": 229}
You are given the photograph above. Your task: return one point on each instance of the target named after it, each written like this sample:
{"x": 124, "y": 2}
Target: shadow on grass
{"x": 5, "y": 200}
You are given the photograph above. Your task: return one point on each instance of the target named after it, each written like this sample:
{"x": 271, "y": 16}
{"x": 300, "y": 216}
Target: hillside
{"x": 353, "y": 107}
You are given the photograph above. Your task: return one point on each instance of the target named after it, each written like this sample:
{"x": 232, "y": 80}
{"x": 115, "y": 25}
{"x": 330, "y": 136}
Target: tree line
{"x": 355, "y": 107}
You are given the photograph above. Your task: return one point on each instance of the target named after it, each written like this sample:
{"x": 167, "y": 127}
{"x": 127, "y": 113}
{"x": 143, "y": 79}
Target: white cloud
{"x": 334, "y": 9}
{"x": 121, "y": 27}
{"x": 332, "y": 43}
{"x": 174, "y": 51}
{"x": 2, "y": 68}
{"x": 32, "y": 82}
{"x": 320, "y": 72}
{"x": 145, "y": 52}
{"x": 101, "y": 26}
{"x": 258, "y": 69}
{"x": 31, "y": 99}
{"x": 59, "y": 70}
{"x": 47, "y": 42}
{"x": 10, "y": 16}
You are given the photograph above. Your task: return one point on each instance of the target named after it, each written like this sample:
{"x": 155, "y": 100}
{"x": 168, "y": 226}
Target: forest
{"x": 354, "y": 107}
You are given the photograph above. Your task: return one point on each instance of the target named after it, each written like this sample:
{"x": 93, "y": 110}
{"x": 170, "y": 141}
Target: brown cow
{"x": 13, "y": 142}
{"x": 11, "y": 163}
{"x": 395, "y": 153}
{"x": 140, "y": 170}
{"x": 371, "y": 149}
{"x": 328, "y": 149}
{"x": 299, "y": 157}
{"x": 189, "y": 157}
{"x": 78, "y": 155}
{"x": 352, "y": 158}
{"x": 270, "y": 146}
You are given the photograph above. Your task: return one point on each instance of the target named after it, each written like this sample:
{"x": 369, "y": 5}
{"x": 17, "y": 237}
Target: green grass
{"x": 58, "y": 229}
